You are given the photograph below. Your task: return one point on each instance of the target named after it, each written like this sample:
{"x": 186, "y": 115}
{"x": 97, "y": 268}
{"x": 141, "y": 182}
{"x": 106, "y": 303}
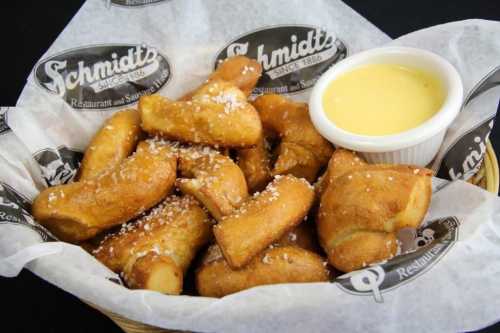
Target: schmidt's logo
{"x": 104, "y": 76}
{"x": 292, "y": 56}
{"x": 430, "y": 244}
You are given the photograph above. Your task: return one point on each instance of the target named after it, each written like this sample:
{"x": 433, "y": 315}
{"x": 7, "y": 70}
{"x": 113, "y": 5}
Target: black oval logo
{"x": 134, "y": 3}
{"x": 58, "y": 166}
{"x": 3, "y": 120}
{"x": 464, "y": 158}
{"x": 104, "y": 76}
{"x": 15, "y": 208}
{"x": 429, "y": 244}
{"x": 292, "y": 56}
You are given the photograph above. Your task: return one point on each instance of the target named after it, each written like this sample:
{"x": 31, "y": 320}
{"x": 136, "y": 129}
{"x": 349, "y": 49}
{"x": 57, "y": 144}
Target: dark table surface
{"x": 28, "y": 29}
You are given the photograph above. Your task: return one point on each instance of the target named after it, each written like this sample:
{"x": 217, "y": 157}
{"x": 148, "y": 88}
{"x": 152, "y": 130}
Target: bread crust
{"x": 362, "y": 210}
{"x": 164, "y": 242}
{"x": 78, "y": 211}
{"x": 218, "y": 114}
{"x": 263, "y": 219}
{"x": 114, "y": 142}
{"x": 287, "y": 264}
{"x": 214, "y": 179}
{"x": 256, "y": 166}
{"x": 341, "y": 161}
{"x": 239, "y": 70}
{"x": 302, "y": 151}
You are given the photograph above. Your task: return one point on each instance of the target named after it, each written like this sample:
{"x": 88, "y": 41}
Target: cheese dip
{"x": 382, "y": 99}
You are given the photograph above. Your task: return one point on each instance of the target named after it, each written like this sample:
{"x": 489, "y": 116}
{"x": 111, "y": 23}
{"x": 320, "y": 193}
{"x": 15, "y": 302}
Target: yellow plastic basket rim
{"x": 491, "y": 167}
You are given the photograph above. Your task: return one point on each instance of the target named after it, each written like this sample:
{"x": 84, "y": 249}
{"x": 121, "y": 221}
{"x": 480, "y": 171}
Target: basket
{"x": 487, "y": 178}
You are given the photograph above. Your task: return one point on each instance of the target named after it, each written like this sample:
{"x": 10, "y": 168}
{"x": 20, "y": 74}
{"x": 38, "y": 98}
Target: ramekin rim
{"x": 433, "y": 126}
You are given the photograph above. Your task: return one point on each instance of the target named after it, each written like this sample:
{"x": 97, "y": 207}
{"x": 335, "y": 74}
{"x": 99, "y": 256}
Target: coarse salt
{"x": 52, "y": 196}
{"x": 266, "y": 259}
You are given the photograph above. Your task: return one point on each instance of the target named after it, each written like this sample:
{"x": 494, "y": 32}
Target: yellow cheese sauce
{"x": 382, "y": 99}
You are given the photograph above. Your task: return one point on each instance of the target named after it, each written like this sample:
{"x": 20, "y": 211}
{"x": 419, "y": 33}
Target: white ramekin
{"x": 417, "y": 146}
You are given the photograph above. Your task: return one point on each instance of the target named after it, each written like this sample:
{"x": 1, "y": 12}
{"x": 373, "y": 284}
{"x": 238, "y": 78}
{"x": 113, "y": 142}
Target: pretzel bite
{"x": 155, "y": 252}
{"x": 302, "y": 151}
{"x": 114, "y": 142}
{"x": 78, "y": 211}
{"x": 302, "y": 236}
{"x": 255, "y": 164}
{"x": 342, "y": 161}
{"x": 213, "y": 179}
{"x": 240, "y": 71}
{"x": 288, "y": 264}
{"x": 362, "y": 210}
{"x": 218, "y": 115}
{"x": 296, "y": 160}
{"x": 263, "y": 219}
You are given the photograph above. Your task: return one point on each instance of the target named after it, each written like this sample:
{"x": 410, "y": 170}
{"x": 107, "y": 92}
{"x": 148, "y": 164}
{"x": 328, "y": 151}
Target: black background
{"x": 30, "y": 304}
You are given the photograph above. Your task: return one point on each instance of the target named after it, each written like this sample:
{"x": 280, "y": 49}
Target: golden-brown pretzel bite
{"x": 93, "y": 243}
{"x": 78, "y": 211}
{"x": 296, "y": 160}
{"x": 263, "y": 219}
{"x": 303, "y": 151}
{"x": 212, "y": 178}
{"x": 302, "y": 236}
{"x": 342, "y": 161}
{"x": 218, "y": 115}
{"x": 239, "y": 70}
{"x": 288, "y": 264}
{"x": 155, "y": 252}
{"x": 156, "y": 272}
{"x": 114, "y": 142}
{"x": 362, "y": 210}
{"x": 255, "y": 164}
